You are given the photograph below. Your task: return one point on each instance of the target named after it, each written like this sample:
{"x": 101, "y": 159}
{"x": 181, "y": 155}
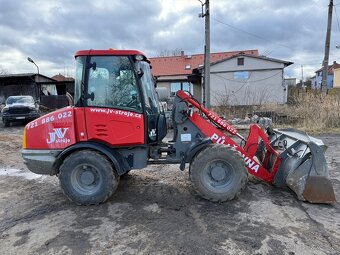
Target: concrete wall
{"x": 165, "y": 83}
{"x": 262, "y": 83}
{"x": 336, "y": 83}
{"x": 249, "y": 64}
{"x": 197, "y": 92}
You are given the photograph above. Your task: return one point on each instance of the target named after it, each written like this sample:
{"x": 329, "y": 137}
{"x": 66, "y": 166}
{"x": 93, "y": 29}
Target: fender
{"x": 119, "y": 162}
{"x": 197, "y": 145}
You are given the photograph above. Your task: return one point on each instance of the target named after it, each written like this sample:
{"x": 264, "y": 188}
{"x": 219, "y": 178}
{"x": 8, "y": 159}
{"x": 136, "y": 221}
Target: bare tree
{"x": 222, "y": 97}
{"x": 2, "y": 71}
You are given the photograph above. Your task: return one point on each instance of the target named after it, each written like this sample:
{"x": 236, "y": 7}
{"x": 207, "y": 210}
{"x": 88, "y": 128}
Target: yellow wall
{"x": 336, "y": 82}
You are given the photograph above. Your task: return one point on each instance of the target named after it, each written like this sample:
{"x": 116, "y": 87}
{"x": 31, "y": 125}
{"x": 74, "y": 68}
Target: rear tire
{"x": 88, "y": 178}
{"x": 218, "y": 173}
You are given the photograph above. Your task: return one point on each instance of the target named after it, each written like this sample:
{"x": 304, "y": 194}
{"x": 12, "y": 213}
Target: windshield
{"x": 20, "y": 100}
{"x": 112, "y": 83}
{"x": 150, "y": 97}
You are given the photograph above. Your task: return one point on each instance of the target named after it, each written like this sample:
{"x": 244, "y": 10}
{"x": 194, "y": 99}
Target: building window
{"x": 175, "y": 86}
{"x": 240, "y": 61}
{"x": 187, "y": 67}
{"x": 243, "y": 75}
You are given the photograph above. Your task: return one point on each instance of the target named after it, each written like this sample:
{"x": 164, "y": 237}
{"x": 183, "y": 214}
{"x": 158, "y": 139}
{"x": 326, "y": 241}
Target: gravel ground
{"x": 155, "y": 211}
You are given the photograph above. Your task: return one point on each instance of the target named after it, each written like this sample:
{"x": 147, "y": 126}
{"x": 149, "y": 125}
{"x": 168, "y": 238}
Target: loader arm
{"x": 217, "y": 136}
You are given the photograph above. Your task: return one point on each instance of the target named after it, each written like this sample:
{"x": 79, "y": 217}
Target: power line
{"x": 336, "y": 14}
{"x": 251, "y": 34}
{"x": 246, "y": 82}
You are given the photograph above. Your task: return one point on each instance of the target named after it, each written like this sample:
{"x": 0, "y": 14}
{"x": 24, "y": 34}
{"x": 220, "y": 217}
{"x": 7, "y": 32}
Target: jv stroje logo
{"x": 58, "y": 136}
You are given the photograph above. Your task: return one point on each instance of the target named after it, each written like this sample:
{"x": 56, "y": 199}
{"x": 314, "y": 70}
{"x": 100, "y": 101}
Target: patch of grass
{"x": 310, "y": 111}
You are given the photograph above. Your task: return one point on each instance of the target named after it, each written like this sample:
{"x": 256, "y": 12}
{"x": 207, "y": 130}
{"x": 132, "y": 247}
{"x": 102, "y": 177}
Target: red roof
{"x": 330, "y": 68}
{"x": 184, "y": 64}
{"x": 60, "y": 77}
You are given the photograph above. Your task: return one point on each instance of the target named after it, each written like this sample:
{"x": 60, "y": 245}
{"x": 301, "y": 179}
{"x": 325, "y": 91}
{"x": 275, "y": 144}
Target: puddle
{"x": 19, "y": 173}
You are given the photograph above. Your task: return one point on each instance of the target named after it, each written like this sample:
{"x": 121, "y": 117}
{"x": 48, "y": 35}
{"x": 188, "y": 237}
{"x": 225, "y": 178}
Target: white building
{"x": 247, "y": 80}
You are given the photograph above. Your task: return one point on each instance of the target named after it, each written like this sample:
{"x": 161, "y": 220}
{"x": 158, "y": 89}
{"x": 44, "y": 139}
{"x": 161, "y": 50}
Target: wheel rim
{"x": 218, "y": 175}
{"x": 86, "y": 179}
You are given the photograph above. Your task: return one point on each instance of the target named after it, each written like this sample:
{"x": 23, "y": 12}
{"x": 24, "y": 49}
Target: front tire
{"x": 88, "y": 178}
{"x": 218, "y": 173}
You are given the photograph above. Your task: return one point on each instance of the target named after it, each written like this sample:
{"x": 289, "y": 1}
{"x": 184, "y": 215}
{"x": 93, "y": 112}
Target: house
{"x": 172, "y": 72}
{"x": 246, "y": 79}
{"x": 316, "y": 81}
{"x": 237, "y": 78}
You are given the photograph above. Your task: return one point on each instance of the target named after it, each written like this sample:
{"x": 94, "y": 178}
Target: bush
{"x": 311, "y": 111}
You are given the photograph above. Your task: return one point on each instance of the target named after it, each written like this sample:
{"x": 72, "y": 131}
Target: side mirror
{"x": 92, "y": 65}
{"x": 90, "y": 96}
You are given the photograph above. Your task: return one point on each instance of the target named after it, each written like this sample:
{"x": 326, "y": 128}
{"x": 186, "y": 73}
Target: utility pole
{"x": 206, "y": 83}
{"x": 301, "y": 76}
{"x": 327, "y": 46}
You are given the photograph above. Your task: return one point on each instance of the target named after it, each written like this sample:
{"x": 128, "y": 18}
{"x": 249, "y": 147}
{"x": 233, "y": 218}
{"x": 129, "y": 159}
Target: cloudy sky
{"x": 50, "y": 32}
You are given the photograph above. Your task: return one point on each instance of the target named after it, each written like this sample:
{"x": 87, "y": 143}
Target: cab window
{"x": 148, "y": 86}
{"x": 112, "y": 83}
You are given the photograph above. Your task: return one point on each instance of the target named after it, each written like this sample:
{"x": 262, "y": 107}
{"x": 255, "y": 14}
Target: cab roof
{"x": 109, "y": 52}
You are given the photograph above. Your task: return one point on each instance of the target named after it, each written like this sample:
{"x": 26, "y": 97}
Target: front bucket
{"x": 319, "y": 189}
{"x": 304, "y": 168}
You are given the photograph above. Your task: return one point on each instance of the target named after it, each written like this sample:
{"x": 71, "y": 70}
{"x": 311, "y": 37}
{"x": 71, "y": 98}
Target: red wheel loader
{"x": 116, "y": 125}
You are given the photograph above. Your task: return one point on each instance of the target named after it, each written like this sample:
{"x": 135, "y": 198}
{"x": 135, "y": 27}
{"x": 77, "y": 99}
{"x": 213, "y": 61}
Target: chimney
{"x": 182, "y": 53}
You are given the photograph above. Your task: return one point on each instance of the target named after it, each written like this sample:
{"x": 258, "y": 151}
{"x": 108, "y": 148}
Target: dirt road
{"x": 155, "y": 211}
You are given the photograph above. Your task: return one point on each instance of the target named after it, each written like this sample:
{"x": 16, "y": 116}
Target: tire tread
{"x": 206, "y": 155}
{"x": 89, "y": 154}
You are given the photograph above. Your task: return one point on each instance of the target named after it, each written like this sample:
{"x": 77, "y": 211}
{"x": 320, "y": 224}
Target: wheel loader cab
{"x": 117, "y": 91}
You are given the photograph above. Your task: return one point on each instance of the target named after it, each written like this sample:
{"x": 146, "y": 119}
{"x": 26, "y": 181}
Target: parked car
{"x": 19, "y": 108}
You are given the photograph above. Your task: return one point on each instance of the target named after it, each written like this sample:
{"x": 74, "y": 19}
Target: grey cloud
{"x": 52, "y": 31}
